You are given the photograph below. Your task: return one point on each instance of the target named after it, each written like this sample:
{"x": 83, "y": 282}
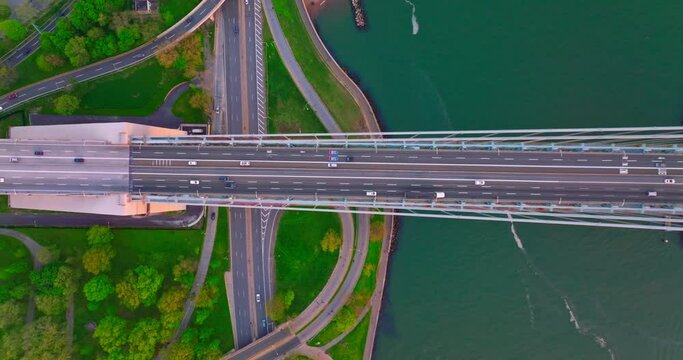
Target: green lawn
{"x": 183, "y": 110}
{"x": 288, "y": 111}
{"x": 173, "y": 10}
{"x": 300, "y": 263}
{"x": 362, "y": 292}
{"x": 334, "y": 95}
{"x": 353, "y": 345}
{"x": 220, "y": 263}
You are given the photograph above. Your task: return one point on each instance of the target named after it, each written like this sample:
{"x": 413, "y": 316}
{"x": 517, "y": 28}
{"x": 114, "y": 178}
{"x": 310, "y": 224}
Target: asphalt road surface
{"x": 111, "y": 65}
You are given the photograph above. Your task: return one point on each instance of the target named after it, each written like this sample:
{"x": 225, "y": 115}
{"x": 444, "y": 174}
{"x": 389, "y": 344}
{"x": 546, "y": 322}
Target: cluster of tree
{"x": 14, "y": 277}
{"x": 97, "y": 261}
{"x": 66, "y": 104}
{"x": 331, "y": 241}
{"x": 277, "y": 307}
{"x": 96, "y": 29}
{"x": 43, "y": 338}
{"x": 54, "y": 284}
{"x": 186, "y": 56}
{"x": 199, "y": 344}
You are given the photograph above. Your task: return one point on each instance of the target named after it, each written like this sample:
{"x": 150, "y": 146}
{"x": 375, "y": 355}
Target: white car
{"x": 2, "y": 180}
{"x": 245, "y": 163}
{"x": 192, "y": 163}
{"x": 194, "y": 182}
{"x": 371, "y": 193}
{"x": 331, "y": 165}
{"x": 479, "y": 182}
{"x": 652, "y": 193}
{"x": 258, "y": 298}
{"x": 669, "y": 181}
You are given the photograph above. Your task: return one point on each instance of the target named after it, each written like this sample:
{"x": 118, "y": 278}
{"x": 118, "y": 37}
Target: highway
{"x": 113, "y": 64}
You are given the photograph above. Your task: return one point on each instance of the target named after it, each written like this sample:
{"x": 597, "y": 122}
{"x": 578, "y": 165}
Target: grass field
{"x": 190, "y": 115}
{"x": 353, "y": 345}
{"x": 220, "y": 263}
{"x": 173, "y": 10}
{"x": 363, "y": 290}
{"x": 300, "y": 263}
{"x": 288, "y": 111}
{"x": 334, "y": 95}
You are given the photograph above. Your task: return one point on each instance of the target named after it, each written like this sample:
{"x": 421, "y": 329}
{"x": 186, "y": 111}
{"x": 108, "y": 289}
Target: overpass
{"x": 621, "y": 177}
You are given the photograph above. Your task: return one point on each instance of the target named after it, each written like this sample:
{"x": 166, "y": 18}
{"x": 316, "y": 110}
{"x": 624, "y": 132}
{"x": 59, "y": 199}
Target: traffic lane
{"x": 233, "y": 52}
{"x": 391, "y": 155}
{"x": 238, "y": 260}
{"x": 259, "y": 272}
{"x": 355, "y": 175}
{"x": 28, "y": 148}
{"x": 104, "y": 67}
{"x": 235, "y": 166}
{"x": 282, "y": 338}
{"x": 423, "y": 191}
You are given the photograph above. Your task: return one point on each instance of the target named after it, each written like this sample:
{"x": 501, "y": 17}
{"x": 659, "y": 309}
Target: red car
{"x": 12, "y": 96}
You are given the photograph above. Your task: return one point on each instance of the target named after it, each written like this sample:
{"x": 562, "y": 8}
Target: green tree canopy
{"x": 5, "y": 12}
{"x": 172, "y": 299}
{"x": 50, "y": 304}
{"x": 98, "y": 288}
{"x": 144, "y": 338}
{"x": 66, "y": 104}
{"x": 127, "y": 291}
{"x": 112, "y": 334}
{"x": 275, "y": 308}
{"x": 331, "y": 241}
{"x": 148, "y": 284}
{"x": 13, "y": 29}
{"x": 98, "y": 258}
{"x": 12, "y": 314}
{"x": 76, "y": 51}
{"x": 99, "y": 235}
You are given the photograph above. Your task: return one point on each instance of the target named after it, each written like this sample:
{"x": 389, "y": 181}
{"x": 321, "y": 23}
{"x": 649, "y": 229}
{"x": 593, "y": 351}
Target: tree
{"x": 127, "y": 38}
{"x": 67, "y": 280}
{"x": 12, "y": 314}
{"x": 181, "y": 351}
{"x": 44, "y": 339}
{"x": 345, "y": 319}
{"x": 47, "y": 255}
{"x": 144, "y": 338}
{"x": 49, "y": 62}
{"x": 97, "y": 259}
{"x": 288, "y": 298}
{"x": 98, "y": 288}
{"x": 199, "y": 100}
{"x": 111, "y": 333}
{"x": 169, "y": 324}
{"x": 172, "y": 299}
{"x": 275, "y": 308}
{"x": 183, "y": 271}
{"x": 13, "y": 29}
{"x": 44, "y": 280}
{"x": 8, "y": 75}
{"x": 99, "y": 235}
{"x": 10, "y": 345}
{"x": 127, "y": 292}
{"x": 207, "y": 296}
{"x": 5, "y": 12}
{"x": 167, "y": 57}
{"x": 66, "y": 104}
{"x": 331, "y": 242}
{"x": 76, "y": 51}
{"x": 50, "y": 304}
{"x": 148, "y": 284}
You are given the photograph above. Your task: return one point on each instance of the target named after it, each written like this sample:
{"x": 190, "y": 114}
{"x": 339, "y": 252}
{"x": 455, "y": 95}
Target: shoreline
{"x": 372, "y": 124}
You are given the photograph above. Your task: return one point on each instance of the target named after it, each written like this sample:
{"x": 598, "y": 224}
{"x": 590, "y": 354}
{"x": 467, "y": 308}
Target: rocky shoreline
{"x": 358, "y": 13}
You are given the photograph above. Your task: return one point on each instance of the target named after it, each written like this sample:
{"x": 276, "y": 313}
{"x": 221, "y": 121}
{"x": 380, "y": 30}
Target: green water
{"x": 464, "y": 290}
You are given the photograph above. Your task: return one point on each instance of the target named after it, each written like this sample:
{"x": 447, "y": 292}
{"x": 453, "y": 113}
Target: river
{"x": 464, "y": 289}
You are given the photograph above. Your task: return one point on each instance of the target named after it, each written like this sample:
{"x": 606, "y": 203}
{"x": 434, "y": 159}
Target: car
{"x": 2, "y": 180}
{"x": 623, "y": 171}
{"x": 479, "y": 182}
{"x": 189, "y": 20}
{"x": 27, "y": 50}
{"x": 334, "y": 152}
{"x": 331, "y": 165}
{"x": 38, "y": 153}
{"x": 439, "y": 194}
{"x": 213, "y": 216}
{"x": 245, "y": 163}
{"x": 258, "y": 297}
{"x": 223, "y": 178}
{"x": 263, "y": 322}
{"x": 14, "y": 159}
{"x": 194, "y": 182}
{"x": 246, "y": 2}
{"x": 1, "y": 108}
{"x": 652, "y": 193}
{"x": 12, "y": 96}
{"x": 333, "y": 158}
{"x": 235, "y": 29}
{"x": 192, "y": 163}
{"x": 348, "y": 158}
{"x": 371, "y": 193}
{"x": 79, "y": 160}
{"x": 218, "y": 109}
{"x": 669, "y": 181}
{"x": 230, "y": 185}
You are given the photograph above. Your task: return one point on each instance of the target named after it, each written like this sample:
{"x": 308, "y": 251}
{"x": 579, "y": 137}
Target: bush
{"x": 98, "y": 288}
{"x": 66, "y": 104}
{"x": 13, "y": 29}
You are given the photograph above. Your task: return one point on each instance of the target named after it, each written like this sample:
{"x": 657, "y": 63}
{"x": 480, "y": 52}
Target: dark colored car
{"x": 223, "y": 178}
{"x": 230, "y": 185}
{"x": 348, "y": 158}
{"x": 235, "y": 29}
{"x": 12, "y": 96}
{"x": 189, "y": 20}
{"x": 79, "y": 160}
{"x": 213, "y": 216}
{"x": 38, "y": 153}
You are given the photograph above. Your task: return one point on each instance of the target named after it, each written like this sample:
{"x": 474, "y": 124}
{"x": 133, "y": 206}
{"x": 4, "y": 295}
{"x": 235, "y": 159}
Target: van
{"x": 440, "y": 194}
{"x": 192, "y": 163}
